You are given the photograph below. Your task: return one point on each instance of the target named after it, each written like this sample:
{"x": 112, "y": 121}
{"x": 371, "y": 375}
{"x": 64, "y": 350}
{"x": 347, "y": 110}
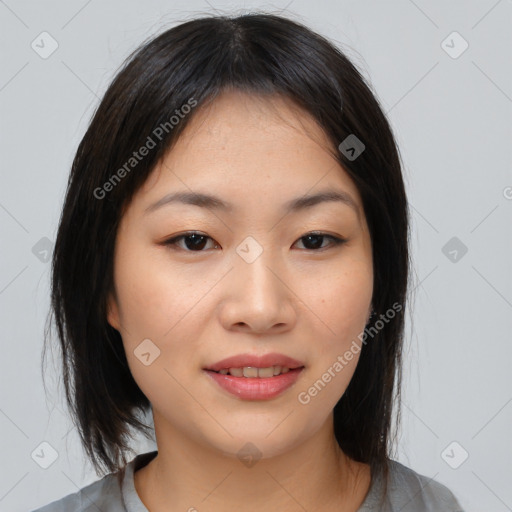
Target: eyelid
{"x": 335, "y": 240}
{"x": 173, "y": 241}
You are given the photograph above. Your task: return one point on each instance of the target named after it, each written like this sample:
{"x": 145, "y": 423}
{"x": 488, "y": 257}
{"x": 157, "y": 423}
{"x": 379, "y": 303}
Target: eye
{"x": 196, "y": 242}
{"x": 315, "y": 239}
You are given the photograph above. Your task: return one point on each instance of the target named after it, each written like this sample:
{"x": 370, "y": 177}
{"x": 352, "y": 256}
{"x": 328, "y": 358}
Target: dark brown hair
{"x": 260, "y": 54}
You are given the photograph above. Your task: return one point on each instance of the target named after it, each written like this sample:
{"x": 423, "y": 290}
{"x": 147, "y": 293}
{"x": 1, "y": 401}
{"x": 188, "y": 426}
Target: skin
{"x": 199, "y": 307}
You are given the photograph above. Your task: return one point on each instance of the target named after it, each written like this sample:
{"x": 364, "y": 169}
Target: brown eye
{"x": 314, "y": 241}
{"x": 194, "y": 242}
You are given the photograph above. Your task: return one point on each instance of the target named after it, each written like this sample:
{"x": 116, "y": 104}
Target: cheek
{"x": 161, "y": 303}
{"x": 339, "y": 300}
{"x": 155, "y": 296}
{"x": 157, "y": 310}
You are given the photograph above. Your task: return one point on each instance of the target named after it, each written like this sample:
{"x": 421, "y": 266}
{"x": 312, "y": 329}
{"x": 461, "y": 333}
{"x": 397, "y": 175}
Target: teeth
{"x": 262, "y": 372}
{"x": 252, "y": 371}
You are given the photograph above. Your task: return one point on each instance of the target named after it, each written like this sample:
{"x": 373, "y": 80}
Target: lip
{"x": 256, "y": 388}
{"x": 264, "y": 361}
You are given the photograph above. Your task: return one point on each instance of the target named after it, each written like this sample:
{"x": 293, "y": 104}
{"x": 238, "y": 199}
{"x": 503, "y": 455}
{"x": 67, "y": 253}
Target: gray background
{"x": 452, "y": 119}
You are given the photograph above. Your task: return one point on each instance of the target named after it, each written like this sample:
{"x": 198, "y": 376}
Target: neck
{"x": 315, "y": 475}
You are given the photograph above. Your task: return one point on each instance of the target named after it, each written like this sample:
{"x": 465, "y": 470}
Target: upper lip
{"x": 264, "y": 361}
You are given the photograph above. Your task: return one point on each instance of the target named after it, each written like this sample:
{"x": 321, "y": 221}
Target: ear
{"x": 112, "y": 311}
{"x": 371, "y": 312}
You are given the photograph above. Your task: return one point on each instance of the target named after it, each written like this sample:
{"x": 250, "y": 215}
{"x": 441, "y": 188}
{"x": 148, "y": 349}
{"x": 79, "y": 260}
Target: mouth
{"x": 251, "y": 366}
{"x": 257, "y": 386}
{"x": 252, "y": 372}
{"x": 250, "y": 377}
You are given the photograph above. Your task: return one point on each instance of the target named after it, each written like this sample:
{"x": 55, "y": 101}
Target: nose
{"x": 258, "y": 296}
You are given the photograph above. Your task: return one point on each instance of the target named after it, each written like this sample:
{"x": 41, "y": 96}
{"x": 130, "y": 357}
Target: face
{"x": 248, "y": 280}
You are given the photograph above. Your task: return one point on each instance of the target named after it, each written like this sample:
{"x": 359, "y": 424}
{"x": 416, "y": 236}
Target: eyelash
{"x": 173, "y": 242}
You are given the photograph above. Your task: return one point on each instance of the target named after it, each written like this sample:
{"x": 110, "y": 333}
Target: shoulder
{"x": 104, "y": 495}
{"x": 409, "y": 491}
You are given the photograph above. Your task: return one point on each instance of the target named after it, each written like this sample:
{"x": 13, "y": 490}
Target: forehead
{"x": 240, "y": 123}
{"x": 248, "y": 149}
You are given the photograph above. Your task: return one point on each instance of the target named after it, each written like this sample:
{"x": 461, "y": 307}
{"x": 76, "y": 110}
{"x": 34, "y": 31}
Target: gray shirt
{"x": 407, "y": 491}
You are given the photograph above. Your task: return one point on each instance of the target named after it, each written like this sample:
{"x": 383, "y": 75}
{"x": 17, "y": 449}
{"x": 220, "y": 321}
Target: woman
{"x": 233, "y": 257}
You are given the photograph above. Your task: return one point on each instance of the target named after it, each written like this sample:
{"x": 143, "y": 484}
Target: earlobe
{"x": 112, "y": 312}
{"x": 370, "y": 313}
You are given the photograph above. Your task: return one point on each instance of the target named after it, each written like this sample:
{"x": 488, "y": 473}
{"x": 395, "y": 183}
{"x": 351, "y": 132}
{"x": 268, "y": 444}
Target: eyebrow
{"x": 212, "y": 202}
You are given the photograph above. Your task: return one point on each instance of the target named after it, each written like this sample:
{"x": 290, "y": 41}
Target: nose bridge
{"x": 256, "y": 267}
{"x": 258, "y": 296}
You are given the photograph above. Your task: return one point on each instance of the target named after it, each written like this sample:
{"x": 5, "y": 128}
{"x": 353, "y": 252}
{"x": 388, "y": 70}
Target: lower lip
{"x": 256, "y": 388}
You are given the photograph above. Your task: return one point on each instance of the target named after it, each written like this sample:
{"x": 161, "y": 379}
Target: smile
{"x": 251, "y": 383}
{"x": 253, "y": 372}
